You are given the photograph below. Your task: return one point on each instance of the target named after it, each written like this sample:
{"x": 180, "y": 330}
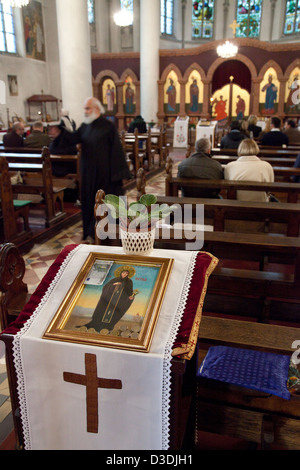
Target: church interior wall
{"x": 108, "y": 52}
{"x": 33, "y": 76}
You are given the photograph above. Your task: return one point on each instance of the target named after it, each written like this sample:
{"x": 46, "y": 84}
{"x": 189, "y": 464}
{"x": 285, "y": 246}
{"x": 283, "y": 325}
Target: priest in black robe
{"x": 116, "y": 298}
{"x": 102, "y": 164}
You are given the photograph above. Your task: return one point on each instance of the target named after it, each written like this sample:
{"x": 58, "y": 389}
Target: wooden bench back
{"x": 219, "y": 213}
{"x": 173, "y": 185}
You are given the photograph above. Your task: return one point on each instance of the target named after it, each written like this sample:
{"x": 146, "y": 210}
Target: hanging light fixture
{"x": 15, "y": 3}
{"x": 227, "y": 50}
{"x": 123, "y": 18}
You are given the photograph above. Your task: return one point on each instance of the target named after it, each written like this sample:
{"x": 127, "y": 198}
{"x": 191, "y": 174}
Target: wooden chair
{"x": 13, "y": 210}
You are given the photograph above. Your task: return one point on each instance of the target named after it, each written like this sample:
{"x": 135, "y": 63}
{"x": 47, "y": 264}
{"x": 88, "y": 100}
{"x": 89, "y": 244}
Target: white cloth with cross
{"x": 53, "y": 411}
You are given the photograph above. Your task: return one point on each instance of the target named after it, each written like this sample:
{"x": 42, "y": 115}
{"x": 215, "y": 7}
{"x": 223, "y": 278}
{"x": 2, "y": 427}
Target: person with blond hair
{"x": 248, "y": 167}
{"x": 253, "y": 127}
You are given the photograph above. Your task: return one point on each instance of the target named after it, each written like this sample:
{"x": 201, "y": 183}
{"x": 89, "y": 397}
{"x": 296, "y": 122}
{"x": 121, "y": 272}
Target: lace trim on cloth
{"x": 166, "y": 391}
{"x": 17, "y": 352}
{"x": 166, "y": 387}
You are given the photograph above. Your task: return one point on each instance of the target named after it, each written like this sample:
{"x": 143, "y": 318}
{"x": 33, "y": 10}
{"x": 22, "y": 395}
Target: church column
{"x": 206, "y": 99}
{"x": 183, "y": 5}
{"x": 74, "y": 55}
{"x": 254, "y": 103}
{"x": 182, "y": 111}
{"x": 149, "y": 57}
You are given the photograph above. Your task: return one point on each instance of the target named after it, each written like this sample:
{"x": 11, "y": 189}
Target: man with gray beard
{"x": 102, "y": 164}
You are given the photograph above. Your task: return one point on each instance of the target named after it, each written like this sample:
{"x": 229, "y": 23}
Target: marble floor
{"x": 37, "y": 262}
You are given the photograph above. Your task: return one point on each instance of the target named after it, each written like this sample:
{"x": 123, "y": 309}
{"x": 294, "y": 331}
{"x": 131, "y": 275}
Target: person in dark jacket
{"x": 253, "y": 127}
{"x": 292, "y": 132}
{"x": 37, "y": 138}
{"x": 233, "y": 138}
{"x": 275, "y": 137}
{"x": 200, "y": 165}
{"x": 14, "y": 138}
{"x": 58, "y": 146}
{"x": 139, "y": 124}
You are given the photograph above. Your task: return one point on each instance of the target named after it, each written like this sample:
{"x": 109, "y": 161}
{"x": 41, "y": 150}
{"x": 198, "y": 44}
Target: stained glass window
{"x": 91, "y": 11}
{"x": 7, "y": 29}
{"x": 202, "y": 19}
{"x": 248, "y": 17}
{"x": 292, "y": 17}
{"x": 166, "y": 16}
{"x": 127, "y": 5}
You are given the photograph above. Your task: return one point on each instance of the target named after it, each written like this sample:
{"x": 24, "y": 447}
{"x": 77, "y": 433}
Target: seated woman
{"x": 248, "y": 167}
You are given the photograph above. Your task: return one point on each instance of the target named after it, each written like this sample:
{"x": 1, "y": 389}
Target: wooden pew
{"x": 229, "y": 188}
{"x": 274, "y": 162}
{"x": 37, "y": 179}
{"x": 263, "y": 152}
{"x": 258, "y": 255}
{"x": 70, "y": 180}
{"x": 159, "y": 144}
{"x": 220, "y": 212}
{"x": 257, "y": 417}
{"x": 131, "y": 148}
{"x": 138, "y": 154}
{"x": 20, "y": 150}
{"x": 12, "y": 210}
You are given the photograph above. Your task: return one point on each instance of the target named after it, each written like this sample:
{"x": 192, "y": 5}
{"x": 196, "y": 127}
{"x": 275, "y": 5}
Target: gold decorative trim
{"x": 186, "y": 351}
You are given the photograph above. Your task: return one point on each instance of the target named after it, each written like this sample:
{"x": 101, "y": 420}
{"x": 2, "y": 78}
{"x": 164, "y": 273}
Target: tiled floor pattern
{"x": 37, "y": 262}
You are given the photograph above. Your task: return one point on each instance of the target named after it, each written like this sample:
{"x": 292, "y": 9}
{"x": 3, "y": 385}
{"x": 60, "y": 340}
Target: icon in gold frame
{"x": 114, "y": 302}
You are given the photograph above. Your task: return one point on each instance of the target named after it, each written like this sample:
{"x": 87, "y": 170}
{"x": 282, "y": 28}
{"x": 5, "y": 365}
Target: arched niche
{"x": 240, "y": 87}
{"x": 231, "y": 86}
{"x": 105, "y": 89}
{"x": 194, "y": 89}
{"x": 130, "y": 94}
{"x": 170, "y": 94}
{"x": 269, "y": 91}
{"x": 240, "y": 58}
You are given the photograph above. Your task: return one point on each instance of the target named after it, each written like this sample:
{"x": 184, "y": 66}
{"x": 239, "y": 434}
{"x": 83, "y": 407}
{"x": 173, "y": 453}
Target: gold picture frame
{"x": 106, "y": 307}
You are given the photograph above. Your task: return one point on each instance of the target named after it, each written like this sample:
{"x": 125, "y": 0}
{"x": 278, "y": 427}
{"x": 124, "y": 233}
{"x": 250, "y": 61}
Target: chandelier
{"x": 123, "y": 18}
{"x": 227, "y": 50}
{"x": 15, "y": 3}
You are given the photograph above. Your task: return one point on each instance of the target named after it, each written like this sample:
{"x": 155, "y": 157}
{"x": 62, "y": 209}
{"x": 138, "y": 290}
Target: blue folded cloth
{"x": 256, "y": 370}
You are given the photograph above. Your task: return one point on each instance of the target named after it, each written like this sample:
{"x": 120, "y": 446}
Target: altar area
{"x": 135, "y": 411}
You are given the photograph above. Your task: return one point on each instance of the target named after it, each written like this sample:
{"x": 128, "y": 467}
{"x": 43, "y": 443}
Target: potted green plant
{"x": 137, "y": 221}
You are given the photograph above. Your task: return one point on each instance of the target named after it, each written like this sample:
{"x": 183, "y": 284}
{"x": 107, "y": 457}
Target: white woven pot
{"x": 137, "y": 243}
